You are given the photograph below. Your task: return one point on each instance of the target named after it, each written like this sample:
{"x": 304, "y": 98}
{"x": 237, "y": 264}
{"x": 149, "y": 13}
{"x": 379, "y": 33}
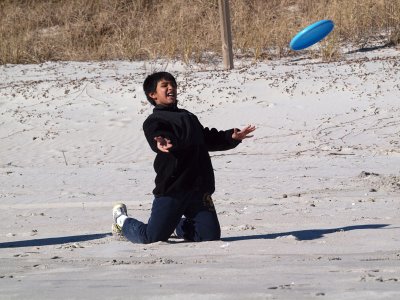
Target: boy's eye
{"x": 166, "y": 84}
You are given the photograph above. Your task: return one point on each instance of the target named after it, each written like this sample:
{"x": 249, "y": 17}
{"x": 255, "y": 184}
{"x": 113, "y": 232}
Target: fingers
{"x": 251, "y": 129}
{"x": 244, "y": 133}
{"x": 160, "y": 140}
{"x": 163, "y": 144}
{"x": 248, "y": 129}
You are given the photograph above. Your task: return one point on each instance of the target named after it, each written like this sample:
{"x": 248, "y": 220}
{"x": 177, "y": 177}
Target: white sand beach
{"x": 309, "y": 207}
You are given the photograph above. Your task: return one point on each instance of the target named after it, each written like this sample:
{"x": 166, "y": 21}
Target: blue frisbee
{"x": 311, "y": 34}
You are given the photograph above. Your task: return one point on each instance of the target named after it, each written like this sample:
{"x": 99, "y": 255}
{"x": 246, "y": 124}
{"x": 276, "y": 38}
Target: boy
{"x": 184, "y": 174}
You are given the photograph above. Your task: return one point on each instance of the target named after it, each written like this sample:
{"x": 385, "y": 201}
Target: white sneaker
{"x": 118, "y": 210}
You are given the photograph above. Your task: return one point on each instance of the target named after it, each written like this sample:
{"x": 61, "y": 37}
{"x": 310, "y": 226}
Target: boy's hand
{"x": 163, "y": 144}
{"x": 244, "y": 133}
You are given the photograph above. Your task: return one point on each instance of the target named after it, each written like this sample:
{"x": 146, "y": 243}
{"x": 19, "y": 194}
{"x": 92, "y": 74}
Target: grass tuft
{"x": 34, "y": 31}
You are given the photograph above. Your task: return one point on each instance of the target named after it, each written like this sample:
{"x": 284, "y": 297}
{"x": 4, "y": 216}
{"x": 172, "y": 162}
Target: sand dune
{"x": 309, "y": 207}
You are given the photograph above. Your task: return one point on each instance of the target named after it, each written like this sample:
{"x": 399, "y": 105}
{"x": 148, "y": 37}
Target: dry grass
{"x": 34, "y": 31}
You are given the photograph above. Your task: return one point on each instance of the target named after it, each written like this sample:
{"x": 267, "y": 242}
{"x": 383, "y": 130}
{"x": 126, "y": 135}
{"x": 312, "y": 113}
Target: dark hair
{"x": 150, "y": 83}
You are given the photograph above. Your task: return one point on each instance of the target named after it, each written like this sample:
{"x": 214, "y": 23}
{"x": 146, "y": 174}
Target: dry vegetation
{"x": 34, "y": 31}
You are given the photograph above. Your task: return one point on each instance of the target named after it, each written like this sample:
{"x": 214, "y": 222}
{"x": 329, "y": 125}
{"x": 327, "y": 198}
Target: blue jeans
{"x": 200, "y": 221}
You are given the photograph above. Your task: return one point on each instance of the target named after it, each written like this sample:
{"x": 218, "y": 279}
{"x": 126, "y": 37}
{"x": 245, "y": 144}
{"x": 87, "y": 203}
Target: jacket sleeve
{"x": 155, "y": 127}
{"x": 219, "y": 140}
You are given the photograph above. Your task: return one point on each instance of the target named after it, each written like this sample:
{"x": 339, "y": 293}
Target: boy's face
{"x": 165, "y": 93}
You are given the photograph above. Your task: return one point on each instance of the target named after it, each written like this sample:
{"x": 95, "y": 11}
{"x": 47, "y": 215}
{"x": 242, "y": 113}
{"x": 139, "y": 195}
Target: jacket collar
{"x": 166, "y": 108}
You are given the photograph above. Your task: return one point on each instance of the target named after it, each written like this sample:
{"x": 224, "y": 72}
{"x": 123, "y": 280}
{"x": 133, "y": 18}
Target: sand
{"x": 309, "y": 207}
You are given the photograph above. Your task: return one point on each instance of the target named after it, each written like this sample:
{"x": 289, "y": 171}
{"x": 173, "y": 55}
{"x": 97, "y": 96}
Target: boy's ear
{"x": 153, "y": 95}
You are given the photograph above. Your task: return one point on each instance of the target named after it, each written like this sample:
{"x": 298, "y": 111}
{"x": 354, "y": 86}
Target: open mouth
{"x": 171, "y": 94}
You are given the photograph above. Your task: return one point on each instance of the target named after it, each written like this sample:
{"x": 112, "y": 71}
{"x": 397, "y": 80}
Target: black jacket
{"x": 187, "y": 166}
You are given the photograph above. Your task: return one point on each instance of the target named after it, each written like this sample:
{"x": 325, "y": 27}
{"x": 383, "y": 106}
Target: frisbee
{"x": 311, "y": 34}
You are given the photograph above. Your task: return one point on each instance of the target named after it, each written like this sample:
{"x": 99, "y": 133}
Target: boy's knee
{"x": 211, "y": 234}
{"x": 154, "y": 238}
{"x": 208, "y": 238}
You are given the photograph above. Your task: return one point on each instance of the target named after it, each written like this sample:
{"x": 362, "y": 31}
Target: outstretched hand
{"x": 163, "y": 144}
{"x": 244, "y": 133}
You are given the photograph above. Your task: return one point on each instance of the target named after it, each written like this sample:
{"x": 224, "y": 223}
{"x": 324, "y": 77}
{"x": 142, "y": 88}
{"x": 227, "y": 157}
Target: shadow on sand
{"x": 304, "y": 235}
{"x": 359, "y": 50}
{"x": 55, "y": 240}
{"x": 369, "y": 49}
